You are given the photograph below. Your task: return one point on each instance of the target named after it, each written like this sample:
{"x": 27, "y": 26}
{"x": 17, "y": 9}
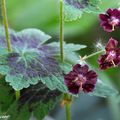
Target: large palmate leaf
{"x": 31, "y": 60}
{"x": 75, "y": 8}
{"x": 37, "y": 100}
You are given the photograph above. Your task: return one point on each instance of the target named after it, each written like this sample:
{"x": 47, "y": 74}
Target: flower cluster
{"x": 83, "y": 79}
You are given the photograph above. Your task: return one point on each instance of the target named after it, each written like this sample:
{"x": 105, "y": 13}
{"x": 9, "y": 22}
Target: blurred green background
{"x": 44, "y": 14}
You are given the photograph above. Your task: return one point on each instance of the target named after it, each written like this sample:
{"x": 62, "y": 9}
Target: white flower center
{"x": 114, "y": 21}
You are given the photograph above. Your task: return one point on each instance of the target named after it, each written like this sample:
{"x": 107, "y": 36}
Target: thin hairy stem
{"x": 68, "y": 101}
{"x": 8, "y": 42}
{"x": 6, "y": 26}
{"x": 93, "y": 54}
{"x": 61, "y": 30}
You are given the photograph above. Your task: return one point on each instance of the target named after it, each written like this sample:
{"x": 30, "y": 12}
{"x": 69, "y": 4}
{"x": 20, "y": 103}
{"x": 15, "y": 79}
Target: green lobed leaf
{"x": 31, "y": 60}
{"x": 69, "y": 51}
{"x": 68, "y": 47}
{"x": 75, "y": 8}
{"x": 37, "y": 100}
{"x": 104, "y": 90}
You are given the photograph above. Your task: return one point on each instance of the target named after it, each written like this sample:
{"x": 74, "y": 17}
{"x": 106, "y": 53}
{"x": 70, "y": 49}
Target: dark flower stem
{"x": 93, "y": 54}
{"x": 8, "y": 42}
{"x": 61, "y": 30}
{"x": 67, "y": 105}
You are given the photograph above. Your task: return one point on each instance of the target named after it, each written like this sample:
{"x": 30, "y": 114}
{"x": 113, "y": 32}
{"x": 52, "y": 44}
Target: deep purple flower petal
{"x": 107, "y": 27}
{"x": 91, "y": 77}
{"x": 83, "y": 70}
{"x": 88, "y": 88}
{"x": 73, "y": 88}
{"x": 103, "y": 64}
{"x": 70, "y": 77}
{"x": 103, "y": 17}
{"x": 77, "y": 67}
{"x": 116, "y": 12}
{"x": 109, "y": 12}
{"x": 117, "y": 61}
{"x": 111, "y": 45}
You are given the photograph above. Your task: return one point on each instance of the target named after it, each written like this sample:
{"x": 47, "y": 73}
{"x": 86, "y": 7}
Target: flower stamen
{"x": 113, "y": 63}
{"x": 113, "y": 27}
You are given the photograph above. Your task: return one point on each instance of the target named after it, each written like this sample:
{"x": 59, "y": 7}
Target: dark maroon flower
{"x": 112, "y": 56}
{"x": 80, "y": 79}
{"x": 110, "y": 20}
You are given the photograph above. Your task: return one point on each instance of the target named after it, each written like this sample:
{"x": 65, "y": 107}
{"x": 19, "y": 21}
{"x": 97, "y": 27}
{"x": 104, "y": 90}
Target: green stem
{"x": 68, "y": 104}
{"x": 68, "y": 111}
{"x": 17, "y": 93}
{"x": 68, "y": 99}
{"x": 93, "y": 54}
{"x": 8, "y": 42}
{"x": 61, "y": 30}
{"x": 6, "y": 26}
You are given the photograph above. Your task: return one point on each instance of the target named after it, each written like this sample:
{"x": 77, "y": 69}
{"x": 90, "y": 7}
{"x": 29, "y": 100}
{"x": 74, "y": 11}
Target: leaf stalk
{"x": 8, "y": 42}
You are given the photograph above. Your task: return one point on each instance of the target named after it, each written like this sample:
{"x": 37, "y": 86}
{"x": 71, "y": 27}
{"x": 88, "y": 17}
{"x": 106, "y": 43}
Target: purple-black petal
{"x": 103, "y": 64}
{"x": 111, "y": 45}
{"x": 88, "y": 88}
{"x": 103, "y": 17}
{"x": 80, "y": 69}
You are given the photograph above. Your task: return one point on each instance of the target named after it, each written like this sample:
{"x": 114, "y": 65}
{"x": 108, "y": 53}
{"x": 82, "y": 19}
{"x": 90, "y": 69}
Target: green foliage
{"x": 31, "y": 61}
{"x": 75, "y": 8}
{"x": 70, "y": 50}
{"x": 104, "y": 90}
{"x": 42, "y": 110}
{"x": 37, "y": 100}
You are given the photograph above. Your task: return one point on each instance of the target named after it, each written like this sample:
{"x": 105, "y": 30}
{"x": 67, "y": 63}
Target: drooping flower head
{"x": 112, "y": 56}
{"x": 110, "y": 20}
{"x": 80, "y": 79}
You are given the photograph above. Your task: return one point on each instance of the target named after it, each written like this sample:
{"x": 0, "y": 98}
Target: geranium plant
{"x": 42, "y": 72}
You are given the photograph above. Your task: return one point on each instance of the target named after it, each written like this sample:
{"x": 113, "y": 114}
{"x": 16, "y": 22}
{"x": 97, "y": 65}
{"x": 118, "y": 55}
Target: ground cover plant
{"x": 36, "y": 73}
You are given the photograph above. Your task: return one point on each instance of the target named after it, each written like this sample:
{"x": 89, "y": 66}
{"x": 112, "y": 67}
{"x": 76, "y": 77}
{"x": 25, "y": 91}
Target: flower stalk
{"x": 93, "y": 54}
{"x": 68, "y": 99}
{"x": 68, "y": 104}
{"x": 8, "y": 42}
{"x": 6, "y": 26}
{"x": 61, "y": 30}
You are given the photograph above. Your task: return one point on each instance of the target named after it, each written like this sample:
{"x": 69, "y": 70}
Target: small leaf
{"x": 104, "y": 90}
{"x": 75, "y": 8}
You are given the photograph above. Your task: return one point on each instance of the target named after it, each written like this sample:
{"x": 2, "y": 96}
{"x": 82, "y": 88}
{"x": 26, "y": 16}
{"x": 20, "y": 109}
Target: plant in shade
{"x": 41, "y": 72}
